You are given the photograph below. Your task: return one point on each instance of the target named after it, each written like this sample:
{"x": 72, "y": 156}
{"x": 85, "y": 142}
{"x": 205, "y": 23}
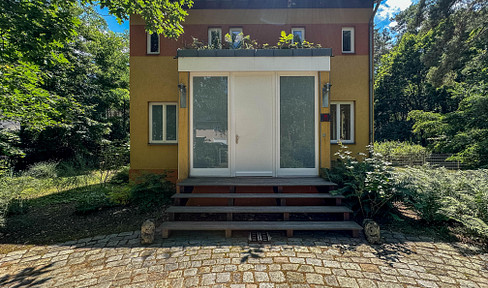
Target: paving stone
{"x": 293, "y": 277}
{"x": 277, "y": 276}
{"x": 313, "y": 278}
{"x": 248, "y": 277}
{"x": 223, "y": 277}
{"x": 347, "y": 282}
{"x": 366, "y": 283}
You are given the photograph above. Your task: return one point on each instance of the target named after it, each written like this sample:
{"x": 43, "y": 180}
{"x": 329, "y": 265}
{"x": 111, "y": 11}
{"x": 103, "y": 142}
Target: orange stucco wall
{"x": 155, "y": 77}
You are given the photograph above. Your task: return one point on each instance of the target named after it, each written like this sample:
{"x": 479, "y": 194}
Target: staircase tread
{"x": 261, "y": 225}
{"x": 258, "y": 209}
{"x": 257, "y": 195}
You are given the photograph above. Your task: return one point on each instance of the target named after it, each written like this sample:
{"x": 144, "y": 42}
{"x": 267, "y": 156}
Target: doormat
{"x": 259, "y": 237}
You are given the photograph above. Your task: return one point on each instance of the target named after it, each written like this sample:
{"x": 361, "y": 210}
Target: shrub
{"x": 121, "y": 177}
{"x": 42, "y": 170}
{"x": 368, "y": 183}
{"x": 152, "y": 191}
{"x": 92, "y": 201}
{"x": 397, "y": 151}
{"x": 120, "y": 195}
{"x": 437, "y": 194}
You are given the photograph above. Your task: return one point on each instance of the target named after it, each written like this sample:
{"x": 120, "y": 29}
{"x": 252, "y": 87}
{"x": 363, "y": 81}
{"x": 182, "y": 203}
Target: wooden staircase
{"x": 285, "y": 204}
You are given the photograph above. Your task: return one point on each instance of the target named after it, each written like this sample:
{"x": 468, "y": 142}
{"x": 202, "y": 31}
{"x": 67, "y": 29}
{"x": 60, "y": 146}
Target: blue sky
{"x": 387, "y": 10}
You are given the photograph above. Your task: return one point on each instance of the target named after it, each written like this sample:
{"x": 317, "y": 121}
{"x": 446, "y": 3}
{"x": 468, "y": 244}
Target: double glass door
{"x": 253, "y": 124}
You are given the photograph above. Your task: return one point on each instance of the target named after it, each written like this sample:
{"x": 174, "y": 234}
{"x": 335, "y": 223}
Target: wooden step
{"x": 258, "y": 195}
{"x": 255, "y": 181}
{"x": 258, "y": 209}
{"x": 289, "y": 226}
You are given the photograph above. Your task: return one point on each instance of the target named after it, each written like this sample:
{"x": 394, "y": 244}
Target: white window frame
{"x": 235, "y": 29}
{"x": 164, "y": 104}
{"x": 351, "y": 29}
{"x": 338, "y": 127}
{"x": 148, "y": 43}
{"x": 210, "y": 30}
{"x": 298, "y": 29}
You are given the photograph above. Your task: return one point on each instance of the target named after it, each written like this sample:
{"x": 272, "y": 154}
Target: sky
{"x": 387, "y": 10}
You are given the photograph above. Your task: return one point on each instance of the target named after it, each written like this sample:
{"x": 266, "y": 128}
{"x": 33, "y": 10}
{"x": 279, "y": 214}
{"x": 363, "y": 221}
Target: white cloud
{"x": 388, "y": 9}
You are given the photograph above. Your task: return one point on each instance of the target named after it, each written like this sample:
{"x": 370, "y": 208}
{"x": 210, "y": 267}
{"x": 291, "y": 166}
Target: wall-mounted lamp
{"x": 326, "y": 95}
{"x": 182, "y": 90}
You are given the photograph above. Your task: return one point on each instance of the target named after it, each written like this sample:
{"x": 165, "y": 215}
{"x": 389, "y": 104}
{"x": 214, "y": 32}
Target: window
{"x": 215, "y": 37}
{"x": 163, "y": 122}
{"x": 153, "y": 43}
{"x": 298, "y": 35}
{"x": 236, "y": 38}
{"x": 348, "y": 40}
{"x": 342, "y": 122}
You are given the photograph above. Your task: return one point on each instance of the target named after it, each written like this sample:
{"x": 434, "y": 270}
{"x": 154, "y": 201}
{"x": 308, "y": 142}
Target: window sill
{"x": 348, "y": 53}
{"x": 161, "y": 144}
{"x": 343, "y": 142}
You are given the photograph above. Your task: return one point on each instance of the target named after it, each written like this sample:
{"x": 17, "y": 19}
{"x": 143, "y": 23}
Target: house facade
{"x": 265, "y": 112}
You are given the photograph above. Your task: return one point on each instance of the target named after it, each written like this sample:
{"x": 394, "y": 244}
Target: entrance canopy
{"x": 254, "y": 60}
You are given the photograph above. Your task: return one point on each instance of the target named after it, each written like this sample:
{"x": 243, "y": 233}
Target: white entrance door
{"x": 254, "y": 115}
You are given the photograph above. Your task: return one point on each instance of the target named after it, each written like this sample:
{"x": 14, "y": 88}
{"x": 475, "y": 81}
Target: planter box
{"x": 186, "y": 53}
{"x": 282, "y": 52}
{"x": 225, "y": 53}
{"x": 207, "y": 53}
{"x": 321, "y": 52}
{"x": 264, "y": 53}
{"x": 244, "y": 52}
{"x": 302, "y": 52}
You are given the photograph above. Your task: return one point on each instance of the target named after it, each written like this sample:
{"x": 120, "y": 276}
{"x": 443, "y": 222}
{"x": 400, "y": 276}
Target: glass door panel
{"x": 210, "y": 122}
{"x": 297, "y": 122}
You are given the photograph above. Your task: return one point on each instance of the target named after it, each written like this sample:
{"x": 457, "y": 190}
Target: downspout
{"x": 371, "y": 40}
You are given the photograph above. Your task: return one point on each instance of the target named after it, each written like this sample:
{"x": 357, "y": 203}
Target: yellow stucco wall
{"x": 151, "y": 79}
{"x": 349, "y": 78}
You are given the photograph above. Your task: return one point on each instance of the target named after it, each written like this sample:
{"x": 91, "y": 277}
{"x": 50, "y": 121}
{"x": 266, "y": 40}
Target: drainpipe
{"x": 371, "y": 39}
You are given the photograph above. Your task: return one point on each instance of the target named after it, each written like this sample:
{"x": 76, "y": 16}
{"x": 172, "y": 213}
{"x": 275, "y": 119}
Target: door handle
{"x": 237, "y": 139}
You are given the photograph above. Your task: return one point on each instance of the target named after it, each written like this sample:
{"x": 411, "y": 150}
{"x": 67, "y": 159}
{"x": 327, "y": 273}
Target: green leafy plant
{"x": 92, "y": 201}
{"x": 120, "y": 195}
{"x": 152, "y": 190}
{"x": 402, "y": 152}
{"x": 438, "y": 194}
{"x": 368, "y": 183}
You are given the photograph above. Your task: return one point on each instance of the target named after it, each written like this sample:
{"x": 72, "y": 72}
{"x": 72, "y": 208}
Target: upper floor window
{"x": 215, "y": 38}
{"x": 163, "y": 122}
{"x": 236, "y": 36}
{"x": 298, "y": 35}
{"x": 153, "y": 43}
{"x": 342, "y": 122}
{"x": 348, "y": 40}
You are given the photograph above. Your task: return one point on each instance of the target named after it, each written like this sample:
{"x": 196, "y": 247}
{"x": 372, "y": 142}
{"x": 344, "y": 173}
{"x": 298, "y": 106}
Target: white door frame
{"x": 230, "y": 170}
{"x": 297, "y": 171}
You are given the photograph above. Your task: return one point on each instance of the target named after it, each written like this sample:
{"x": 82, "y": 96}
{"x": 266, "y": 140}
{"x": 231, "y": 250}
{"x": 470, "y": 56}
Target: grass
{"x": 48, "y": 210}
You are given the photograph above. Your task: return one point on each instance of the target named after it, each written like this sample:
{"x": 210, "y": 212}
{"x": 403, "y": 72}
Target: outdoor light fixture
{"x": 326, "y": 95}
{"x": 182, "y": 89}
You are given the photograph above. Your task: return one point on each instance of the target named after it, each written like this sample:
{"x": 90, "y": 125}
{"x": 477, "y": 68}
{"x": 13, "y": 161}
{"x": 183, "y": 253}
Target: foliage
{"x": 286, "y": 41}
{"x": 437, "y": 194}
{"x": 120, "y": 195}
{"x": 151, "y": 191}
{"x": 113, "y": 157}
{"x": 122, "y": 176}
{"x": 398, "y": 150}
{"x": 92, "y": 201}
{"x": 369, "y": 183}
{"x": 42, "y": 170}
{"x": 438, "y": 69}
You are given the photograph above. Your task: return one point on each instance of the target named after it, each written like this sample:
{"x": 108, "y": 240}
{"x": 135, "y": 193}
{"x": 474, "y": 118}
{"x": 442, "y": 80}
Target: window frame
{"x": 301, "y": 29}
{"x": 338, "y": 127}
{"x": 210, "y": 29}
{"x": 148, "y": 44}
{"x": 350, "y": 29}
{"x": 164, "y": 124}
{"x": 231, "y": 30}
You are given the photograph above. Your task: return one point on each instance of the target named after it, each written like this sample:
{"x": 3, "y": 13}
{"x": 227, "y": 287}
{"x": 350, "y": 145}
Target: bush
{"x": 121, "y": 177}
{"x": 42, "y": 170}
{"x": 120, "y": 195}
{"x": 368, "y": 183}
{"x": 93, "y": 201}
{"x": 437, "y": 194}
{"x": 152, "y": 191}
{"x": 402, "y": 152}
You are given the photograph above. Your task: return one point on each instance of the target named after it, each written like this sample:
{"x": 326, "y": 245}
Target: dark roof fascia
{"x": 314, "y": 52}
{"x": 280, "y": 4}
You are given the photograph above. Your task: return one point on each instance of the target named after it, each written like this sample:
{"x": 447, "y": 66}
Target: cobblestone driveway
{"x": 209, "y": 260}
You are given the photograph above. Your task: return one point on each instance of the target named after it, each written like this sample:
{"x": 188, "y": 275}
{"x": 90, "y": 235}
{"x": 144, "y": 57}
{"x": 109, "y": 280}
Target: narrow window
{"x": 348, "y": 40}
{"x": 298, "y": 35}
{"x": 342, "y": 122}
{"x": 153, "y": 43}
{"x": 236, "y": 35}
{"x": 215, "y": 38}
{"x": 163, "y": 122}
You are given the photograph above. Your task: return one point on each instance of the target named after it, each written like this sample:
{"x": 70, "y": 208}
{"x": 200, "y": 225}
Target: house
{"x": 237, "y": 113}
{"x": 203, "y": 113}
